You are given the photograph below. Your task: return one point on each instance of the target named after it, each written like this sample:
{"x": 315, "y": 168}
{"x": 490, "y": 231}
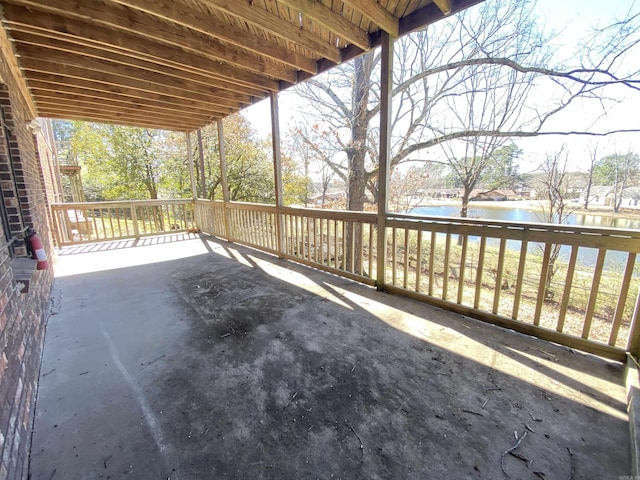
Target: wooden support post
{"x": 134, "y": 220}
{"x": 386, "y": 84}
{"x": 223, "y": 178}
{"x": 633, "y": 344}
{"x": 203, "y": 182}
{"x": 192, "y": 173}
{"x": 277, "y": 169}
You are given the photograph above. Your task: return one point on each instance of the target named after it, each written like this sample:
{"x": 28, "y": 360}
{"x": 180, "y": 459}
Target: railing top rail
{"x": 521, "y": 226}
{"x": 347, "y": 215}
{"x": 120, "y": 203}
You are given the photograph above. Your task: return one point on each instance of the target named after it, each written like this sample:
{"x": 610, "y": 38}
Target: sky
{"x": 572, "y": 20}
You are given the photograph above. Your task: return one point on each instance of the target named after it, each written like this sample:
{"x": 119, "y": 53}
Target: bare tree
{"x": 593, "y": 160}
{"x": 465, "y": 85}
{"x": 554, "y": 185}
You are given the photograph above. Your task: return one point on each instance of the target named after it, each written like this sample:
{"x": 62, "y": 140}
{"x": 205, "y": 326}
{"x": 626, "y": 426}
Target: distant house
{"x": 327, "y": 197}
{"x": 439, "y": 193}
{"x": 524, "y": 191}
{"x": 600, "y": 196}
{"x": 630, "y": 198}
{"x": 493, "y": 195}
{"x": 605, "y": 196}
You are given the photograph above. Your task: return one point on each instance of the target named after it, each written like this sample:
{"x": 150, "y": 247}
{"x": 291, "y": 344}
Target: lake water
{"x": 614, "y": 261}
{"x": 521, "y": 215}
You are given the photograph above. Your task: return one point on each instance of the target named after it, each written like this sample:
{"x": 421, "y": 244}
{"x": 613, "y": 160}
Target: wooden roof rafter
{"x": 179, "y": 64}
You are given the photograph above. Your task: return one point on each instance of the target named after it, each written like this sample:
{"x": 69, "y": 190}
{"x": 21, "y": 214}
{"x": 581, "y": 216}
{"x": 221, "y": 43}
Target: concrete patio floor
{"x": 200, "y": 359}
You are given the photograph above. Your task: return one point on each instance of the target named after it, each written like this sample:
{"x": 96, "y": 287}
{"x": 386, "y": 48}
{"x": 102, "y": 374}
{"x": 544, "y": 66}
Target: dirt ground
{"x": 222, "y": 362}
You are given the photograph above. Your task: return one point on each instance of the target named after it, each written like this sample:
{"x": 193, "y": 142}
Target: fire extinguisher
{"x": 34, "y": 246}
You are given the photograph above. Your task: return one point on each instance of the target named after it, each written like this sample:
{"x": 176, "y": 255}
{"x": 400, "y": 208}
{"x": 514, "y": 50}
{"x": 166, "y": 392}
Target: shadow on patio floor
{"x": 203, "y": 359}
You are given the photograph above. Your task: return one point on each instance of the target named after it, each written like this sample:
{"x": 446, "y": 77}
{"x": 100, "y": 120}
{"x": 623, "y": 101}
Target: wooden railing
{"x": 98, "y": 221}
{"x": 246, "y": 223}
{"x": 576, "y": 286}
{"x": 572, "y": 285}
{"x": 336, "y": 241}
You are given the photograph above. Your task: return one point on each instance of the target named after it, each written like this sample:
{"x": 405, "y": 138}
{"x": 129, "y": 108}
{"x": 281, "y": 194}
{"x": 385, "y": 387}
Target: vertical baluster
{"x": 463, "y": 263}
{"x": 145, "y": 216}
{"x": 498, "y": 289}
{"x": 371, "y": 249}
{"x": 361, "y": 256}
{"x": 406, "y": 259}
{"x": 113, "y": 233}
{"x": 418, "y": 260}
{"x": 393, "y": 256}
{"x": 352, "y": 247}
{"x": 479, "y": 272}
{"x": 432, "y": 262}
{"x": 593, "y": 295}
{"x": 117, "y": 212}
{"x": 335, "y": 241}
{"x": 315, "y": 240}
{"x": 308, "y": 238}
{"x": 567, "y": 288}
{"x": 96, "y": 233}
{"x": 542, "y": 286}
{"x": 445, "y": 278}
{"x": 252, "y": 229}
{"x": 622, "y": 298}
{"x": 321, "y": 222}
{"x": 520, "y": 280}
{"x": 344, "y": 245}
{"x": 287, "y": 233}
{"x": 104, "y": 228}
{"x": 300, "y": 235}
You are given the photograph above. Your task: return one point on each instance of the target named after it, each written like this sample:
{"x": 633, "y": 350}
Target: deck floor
{"x": 202, "y": 359}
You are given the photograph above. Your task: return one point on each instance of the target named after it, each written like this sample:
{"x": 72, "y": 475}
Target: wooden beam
{"x": 124, "y": 118}
{"x": 81, "y": 33}
{"x": 147, "y": 28}
{"x": 157, "y": 81}
{"x": 31, "y": 43}
{"x": 274, "y": 25}
{"x": 8, "y": 55}
{"x": 213, "y": 27}
{"x": 331, "y": 20}
{"x": 444, "y": 6}
{"x": 42, "y": 89}
{"x": 431, "y": 14}
{"x": 142, "y": 123}
{"x": 128, "y": 113}
{"x": 377, "y": 14}
{"x": 47, "y": 68}
{"x": 58, "y": 102}
{"x": 74, "y": 85}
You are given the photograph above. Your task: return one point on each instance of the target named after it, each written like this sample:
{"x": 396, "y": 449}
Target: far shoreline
{"x": 534, "y": 206}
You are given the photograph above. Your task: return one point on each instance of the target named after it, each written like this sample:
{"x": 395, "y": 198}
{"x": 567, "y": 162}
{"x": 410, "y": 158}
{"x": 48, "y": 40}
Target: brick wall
{"x": 25, "y": 189}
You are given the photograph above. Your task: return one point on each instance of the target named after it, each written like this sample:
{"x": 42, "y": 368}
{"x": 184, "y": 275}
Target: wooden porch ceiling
{"x": 180, "y": 64}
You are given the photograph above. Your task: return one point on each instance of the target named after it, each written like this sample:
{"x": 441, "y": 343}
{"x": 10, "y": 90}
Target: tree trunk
{"x": 357, "y": 155}
{"x": 588, "y": 193}
{"x": 464, "y": 207}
